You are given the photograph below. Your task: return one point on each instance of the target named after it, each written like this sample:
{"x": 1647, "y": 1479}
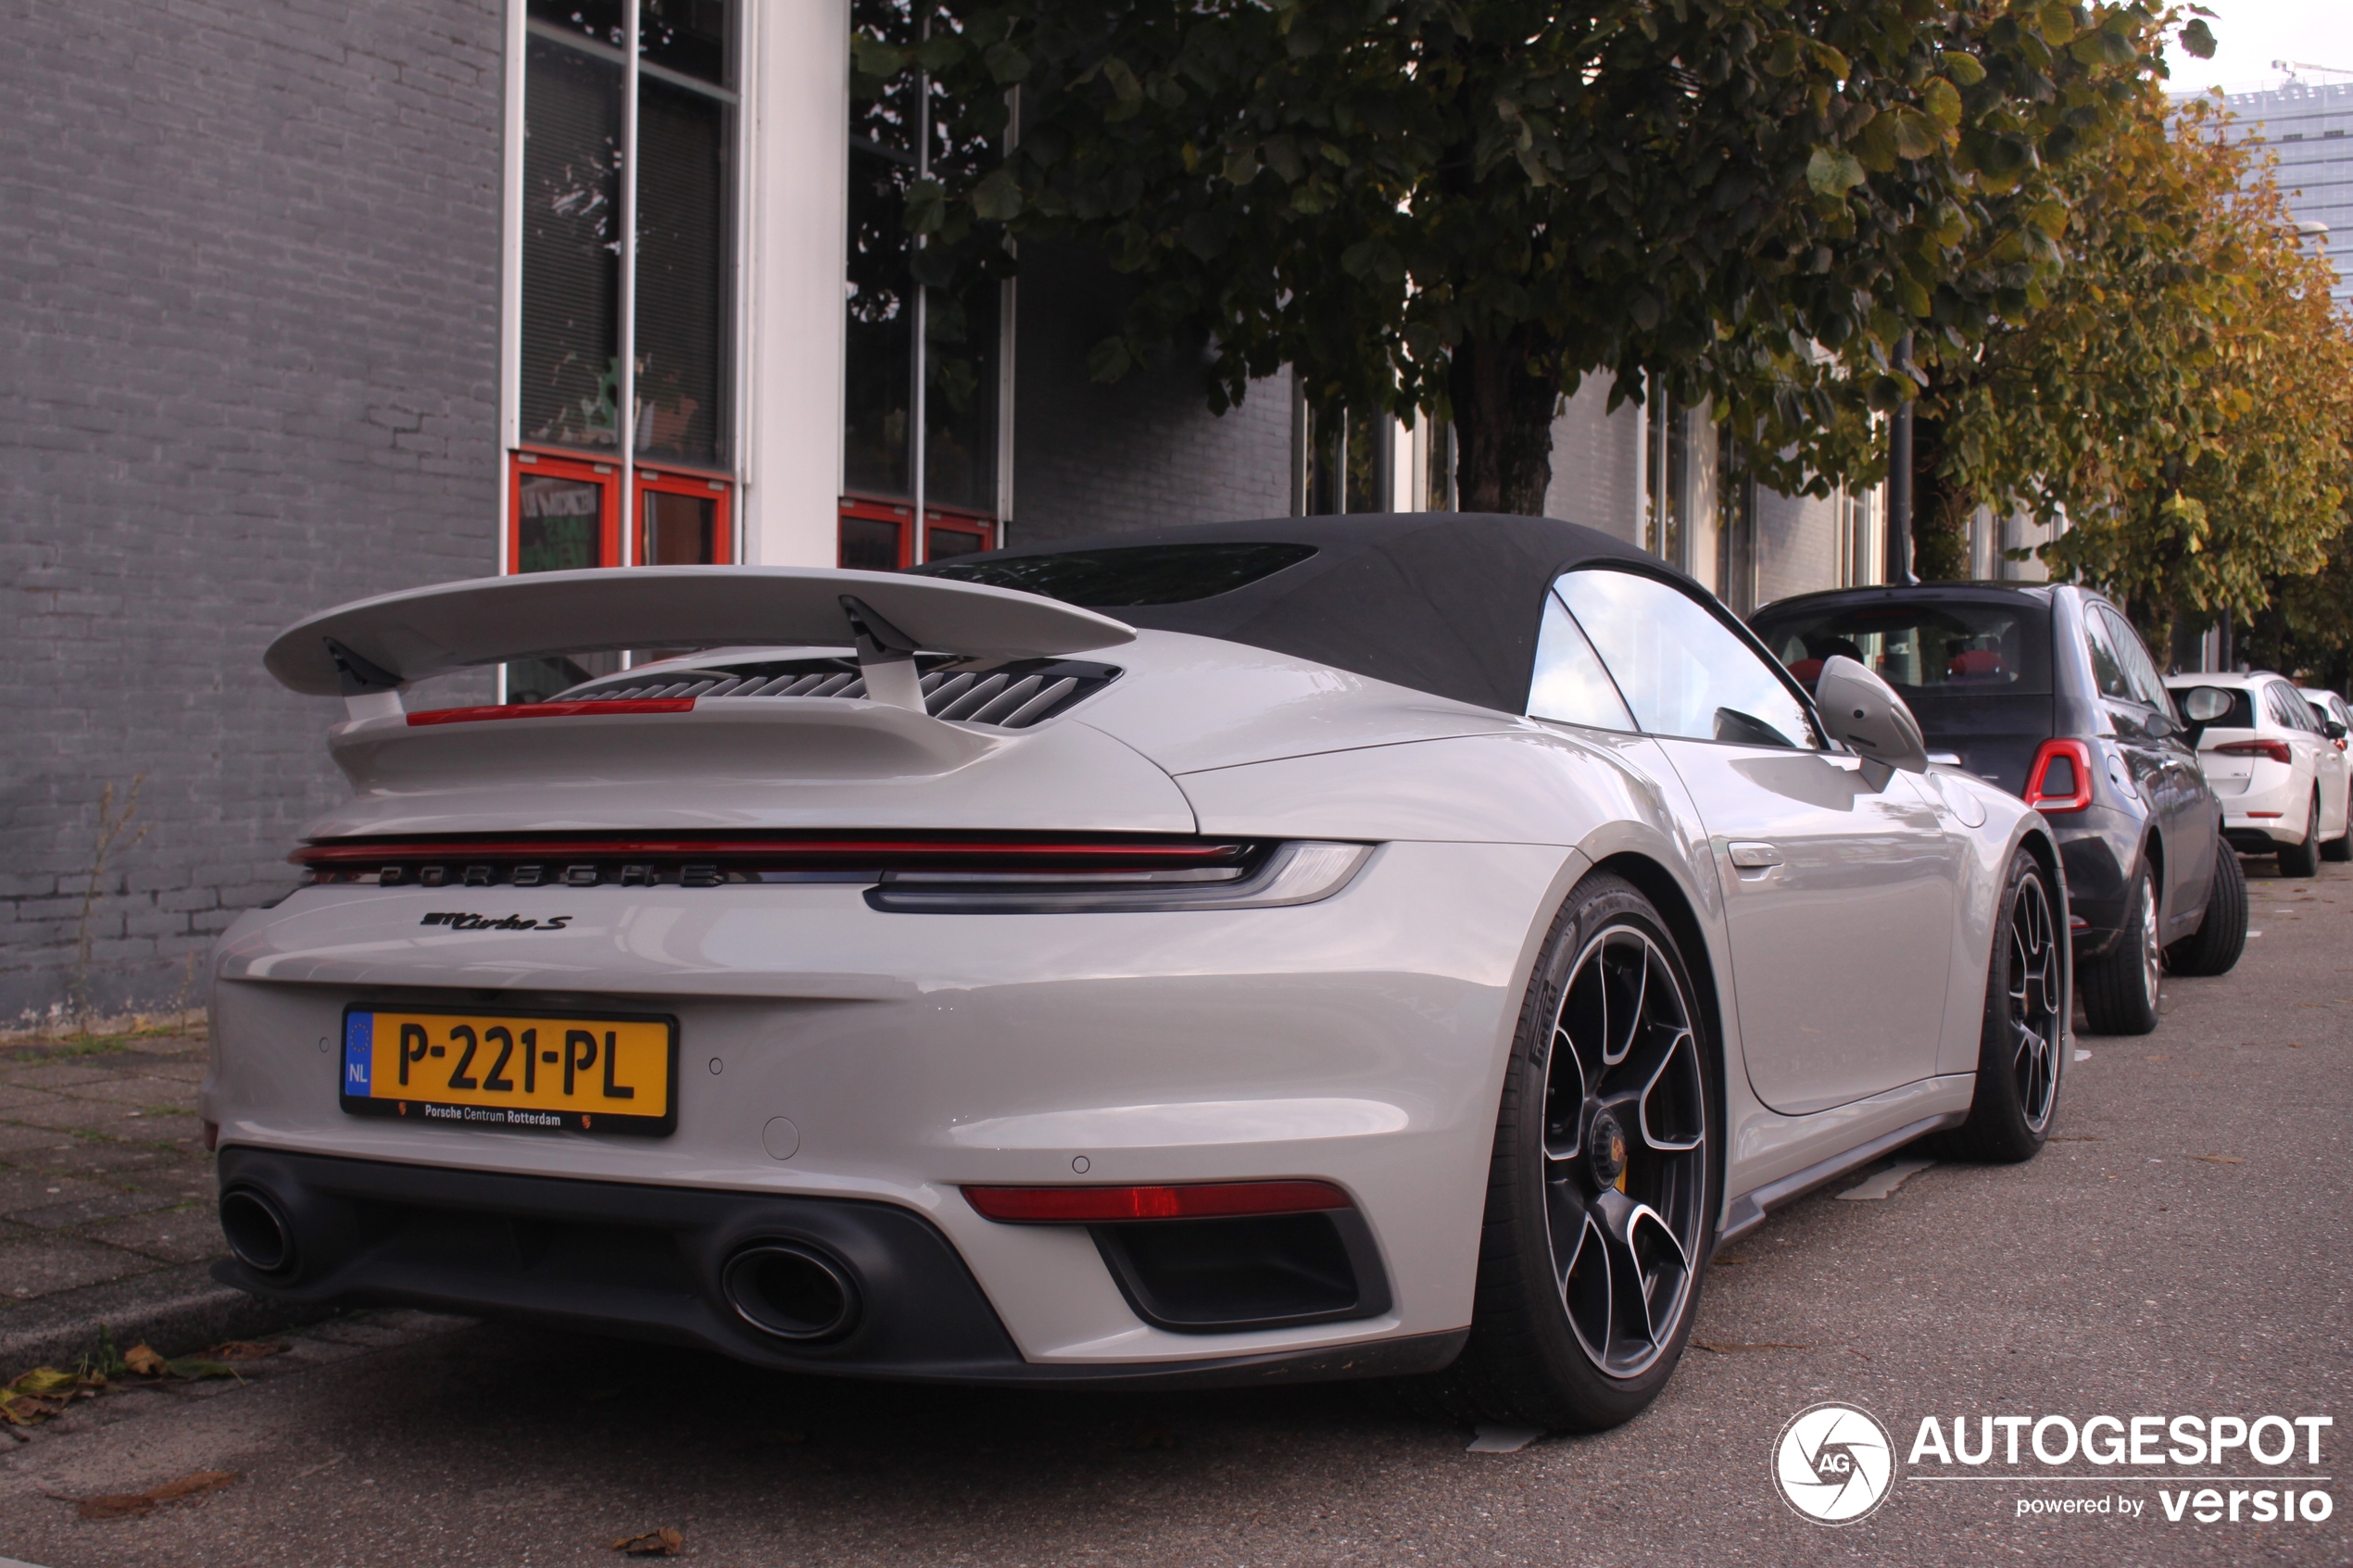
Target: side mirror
{"x": 2335, "y": 730}
{"x": 2203, "y": 705}
{"x": 1863, "y": 711}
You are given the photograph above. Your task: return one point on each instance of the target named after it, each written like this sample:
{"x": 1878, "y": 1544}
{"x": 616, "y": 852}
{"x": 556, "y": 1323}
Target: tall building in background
{"x": 2309, "y": 127}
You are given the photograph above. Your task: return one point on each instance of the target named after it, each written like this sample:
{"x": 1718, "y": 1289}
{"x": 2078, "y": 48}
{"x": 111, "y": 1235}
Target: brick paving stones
{"x": 104, "y": 1175}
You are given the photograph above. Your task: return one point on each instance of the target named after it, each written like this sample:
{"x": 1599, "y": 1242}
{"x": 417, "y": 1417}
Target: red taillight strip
{"x": 2077, "y": 753}
{"x": 552, "y": 709}
{"x": 1095, "y": 1206}
{"x": 361, "y": 852}
{"x": 2277, "y": 750}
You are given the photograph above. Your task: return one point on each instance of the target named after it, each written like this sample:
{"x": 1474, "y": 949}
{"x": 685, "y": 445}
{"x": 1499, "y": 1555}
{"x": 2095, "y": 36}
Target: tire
{"x": 2304, "y": 859}
{"x": 2340, "y": 848}
{"x": 2119, "y": 987}
{"x": 2022, "y": 1044}
{"x": 1587, "y": 1286}
{"x": 2221, "y": 937}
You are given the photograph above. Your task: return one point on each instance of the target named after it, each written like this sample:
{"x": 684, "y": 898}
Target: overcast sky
{"x": 2250, "y": 34}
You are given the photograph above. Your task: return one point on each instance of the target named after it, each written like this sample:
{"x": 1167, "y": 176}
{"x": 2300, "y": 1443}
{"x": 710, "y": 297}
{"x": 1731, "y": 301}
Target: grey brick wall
{"x": 249, "y": 356}
{"x": 1597, "y": 463}
{"x": 1144, "y": 451}
{"x": 1796, "y": 545}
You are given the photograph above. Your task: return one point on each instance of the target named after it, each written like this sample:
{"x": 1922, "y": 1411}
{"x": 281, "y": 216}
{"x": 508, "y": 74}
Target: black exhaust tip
{"x": 791, "y": 1291}
{"x": 257, "y": 1230}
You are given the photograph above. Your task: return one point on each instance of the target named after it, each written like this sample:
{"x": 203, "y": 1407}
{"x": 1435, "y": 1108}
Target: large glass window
{"x": 1682, "y": 670}
{"x": 1346, "y": 457}
{"x": 1667, "y": 476}
{"x": 911, "y": 346}
{"x": 628, "y": 230}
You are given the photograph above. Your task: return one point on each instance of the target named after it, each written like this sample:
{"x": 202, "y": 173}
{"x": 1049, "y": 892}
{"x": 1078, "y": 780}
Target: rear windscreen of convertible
{"x": 1139, "y": 574}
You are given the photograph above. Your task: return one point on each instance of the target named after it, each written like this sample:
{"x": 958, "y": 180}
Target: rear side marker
{"x": 1112, "y": 1205}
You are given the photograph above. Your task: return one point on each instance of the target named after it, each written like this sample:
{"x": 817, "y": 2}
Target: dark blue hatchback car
{"x": 2048, "y": 692}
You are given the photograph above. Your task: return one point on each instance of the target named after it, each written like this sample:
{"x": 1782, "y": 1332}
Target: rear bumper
{"x": 647, "y": 1263}
{"x": 2284, "y": 800}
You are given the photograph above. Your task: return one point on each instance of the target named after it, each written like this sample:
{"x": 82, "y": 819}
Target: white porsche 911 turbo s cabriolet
{"x": 1316, "y": 947}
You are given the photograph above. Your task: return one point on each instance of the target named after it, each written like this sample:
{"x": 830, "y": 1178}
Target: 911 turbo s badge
{"x": 457, "y": 921}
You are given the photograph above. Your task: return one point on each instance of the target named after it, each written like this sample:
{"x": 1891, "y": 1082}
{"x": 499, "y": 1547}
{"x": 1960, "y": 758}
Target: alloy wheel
{"x": 2152, "y": 951}
{"x": 2035, "y": 998}
{"x": 1625, "y": 1150}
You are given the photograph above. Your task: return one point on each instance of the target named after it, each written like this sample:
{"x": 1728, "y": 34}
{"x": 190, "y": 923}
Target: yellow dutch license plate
{"x": 585, "y": 1073}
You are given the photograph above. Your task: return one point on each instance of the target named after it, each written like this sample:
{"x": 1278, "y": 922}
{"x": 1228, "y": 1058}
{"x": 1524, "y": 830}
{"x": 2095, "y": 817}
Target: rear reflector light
{"x": 1104, "y": 1205}
{"x": 2060, "y": 779}
{"x": 550, "y": 711}
{"x": 2266, "y": 813}
{"x": 2275, "y": 749}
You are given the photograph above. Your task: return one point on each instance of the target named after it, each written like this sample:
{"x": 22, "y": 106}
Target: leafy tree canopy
{"x": 1464, "y": 206}
{"x": 2183, "y": 395}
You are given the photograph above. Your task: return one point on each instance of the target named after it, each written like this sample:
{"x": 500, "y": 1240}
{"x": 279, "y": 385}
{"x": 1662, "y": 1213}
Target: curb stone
{"x": 176, "y": 1310}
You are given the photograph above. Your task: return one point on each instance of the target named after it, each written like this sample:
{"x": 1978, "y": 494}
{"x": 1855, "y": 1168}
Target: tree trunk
{"x": 1939, "y": 514}
{"x": 1504, "y": 396}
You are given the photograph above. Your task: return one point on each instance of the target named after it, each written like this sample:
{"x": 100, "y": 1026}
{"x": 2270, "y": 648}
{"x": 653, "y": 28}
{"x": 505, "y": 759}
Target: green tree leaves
{"x": 1756, "y": 199}
{"x": 2184, "y": 397}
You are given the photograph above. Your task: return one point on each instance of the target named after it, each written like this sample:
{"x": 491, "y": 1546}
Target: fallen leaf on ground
{"x": 653, "y": 1543}
{"x": 1727, "y": 1347}
{"x": 130, "y": 1505}
{"x": 44, "y": 1392}
{"x": 147, "y": 1363}
{"x": 244, "y": 1350}
{"x": 2219, "y": 1159}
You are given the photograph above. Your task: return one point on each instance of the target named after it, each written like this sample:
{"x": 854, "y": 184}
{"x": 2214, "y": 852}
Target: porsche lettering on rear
{"x": 460, "y": 921}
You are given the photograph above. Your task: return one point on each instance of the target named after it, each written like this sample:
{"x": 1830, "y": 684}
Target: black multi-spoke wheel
{"x": 1606, "y": 1180}
{"x": 2024, "y": 1036}
{"x": 1625, "y": 1149}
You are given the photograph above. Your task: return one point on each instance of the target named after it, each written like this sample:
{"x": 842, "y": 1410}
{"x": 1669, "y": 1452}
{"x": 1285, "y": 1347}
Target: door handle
{"x": 1754, "y": 857}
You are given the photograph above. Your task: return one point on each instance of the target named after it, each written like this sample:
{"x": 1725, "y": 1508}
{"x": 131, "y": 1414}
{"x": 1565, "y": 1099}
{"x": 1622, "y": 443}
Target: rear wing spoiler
{"x": 367, "y": 651}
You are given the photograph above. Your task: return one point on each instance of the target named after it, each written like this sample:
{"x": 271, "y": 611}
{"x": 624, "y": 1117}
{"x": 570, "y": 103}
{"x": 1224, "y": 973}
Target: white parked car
{"x": 1312, "y": 949}
{"x": 2331, "y": 709}
{"x": 2284, "y": 782}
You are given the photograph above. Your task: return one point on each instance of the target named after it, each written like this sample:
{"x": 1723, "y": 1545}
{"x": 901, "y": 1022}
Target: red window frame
{"x": 675, "y": 482}
{"x": 936, "y": 520}
{"x": 606, "y": 476}
{"x": 588, "y": 471}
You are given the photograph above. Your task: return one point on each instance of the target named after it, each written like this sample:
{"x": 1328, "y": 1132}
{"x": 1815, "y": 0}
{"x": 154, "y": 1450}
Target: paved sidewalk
{"x": 107, "y": 1202}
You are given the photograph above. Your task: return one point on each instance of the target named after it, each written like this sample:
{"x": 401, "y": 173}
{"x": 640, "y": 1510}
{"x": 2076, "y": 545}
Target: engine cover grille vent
{"x": 1003, "y": 693}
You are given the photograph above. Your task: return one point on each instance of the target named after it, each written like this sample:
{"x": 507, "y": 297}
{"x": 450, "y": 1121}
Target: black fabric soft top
{"x": 1448, "y": 603}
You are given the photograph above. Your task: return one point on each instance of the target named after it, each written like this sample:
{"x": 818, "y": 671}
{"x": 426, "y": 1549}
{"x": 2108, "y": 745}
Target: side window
{"x": 2107, "y": 665}
{"x": 2140, "y": 670}
{"x": 2287, "y": 707}
{"x": 1570, "y": 684}
{"x": 1681, "y": 669}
